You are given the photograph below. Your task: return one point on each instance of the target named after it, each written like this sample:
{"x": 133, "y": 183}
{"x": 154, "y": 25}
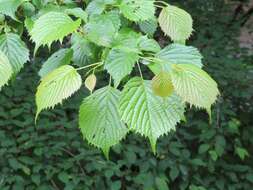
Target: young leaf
{"x": 149, "y": 115}
{"x": 97, "y": 7}
{"x": 5, "y": 70}
{"x": 90, "y": 82}
{"x": 176, "y": 23}
{"x": 51, "y": 27}
{"x": 85, "y": 52}
{"x": 15, "y": 49}
{"x": 194, "y": 85}
{"x": 119, "y": 63}
{"x": 162, "y": 84}
{"x": 138, "y": 10}
{"x": 59, "y": 58}
{"x": 9, "y": 7}
{"x": 99, "y": 119}
{"x": 180, "y": 54}
{"x": 57, "y": 86}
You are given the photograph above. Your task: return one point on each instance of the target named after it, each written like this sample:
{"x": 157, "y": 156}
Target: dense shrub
{"x": 52, "y": 155}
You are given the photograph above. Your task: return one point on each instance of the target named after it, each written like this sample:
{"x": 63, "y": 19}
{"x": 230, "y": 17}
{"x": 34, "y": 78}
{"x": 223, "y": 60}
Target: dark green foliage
{"x": 198, "y": 156}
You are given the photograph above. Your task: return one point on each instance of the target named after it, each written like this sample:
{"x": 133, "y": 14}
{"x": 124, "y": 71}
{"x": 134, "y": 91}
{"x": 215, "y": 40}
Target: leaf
{"x": 119, "y": 63}
{"x": 101, "y": 29}
{"x": 59, "y": 58}
{"x": 138, "y": 10}
{"x": 57, "y": 86}
{"x": 180, "y": 54}
{"x": 176, "y": 23}
{"x": 90, "y": 82}
{"x": 5, "y": 70}
{"x": 15, "y": 49}
{"x": 149, "y": 27}
{"x": 99, "y": 119}
{"x": 149, "y": 45}
{"x": 85, "y": 52}
{"x": 96, "y": 7}
{"x": 9, "y": 7}
{"x": 162, "y": 85}
{"x": 174, "y": 172}
{"x": 194, "y": 85}
{"x": 241, "y": 152}
{"x": 78, "y": 13}
{"x": 149, "y": 115}
{"x": 51, "y": 27}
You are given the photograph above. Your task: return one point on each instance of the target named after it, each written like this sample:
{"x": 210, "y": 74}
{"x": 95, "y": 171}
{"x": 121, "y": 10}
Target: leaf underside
{"x": 5, "y": 70}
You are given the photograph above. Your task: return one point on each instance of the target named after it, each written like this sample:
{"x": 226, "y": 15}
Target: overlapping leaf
{"x": 59, "y": 58}
{"x": 149, "y": 26}
{"x": 77, "y": 12}
{"x": 147, "y": 114}
{"x": 101, "y": 29}
{"x": 150, "y": 45}
{"x": 119, "y": 63}
{"x": 5, "y": 70}
{"x": 176, "y": 23}
{"x": 180, "y": 54}
{"x": 9, "y": 7}
{"x": 99, "y": 119}
{"x": 85, "y": 52}
{"x": 51, "y": 27}
{"x": 57, "y": 86}
{"x": 138, "y": 10}
{"x": 194, "y": 85}
{"x": 15, "y": 49}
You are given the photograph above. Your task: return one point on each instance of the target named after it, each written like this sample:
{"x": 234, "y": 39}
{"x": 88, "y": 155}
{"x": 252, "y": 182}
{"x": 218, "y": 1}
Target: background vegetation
{"x": 197, "y": 156}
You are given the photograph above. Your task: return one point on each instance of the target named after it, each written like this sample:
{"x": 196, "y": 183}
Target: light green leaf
{"x": 5, "y": 70}
{"x": 149, "y": 26}
{"x": 194, "y": 85}
{"x": 138, "y": 10}
{"x": 77, "y": 12}
{"x": 96, "y": 7}
{"x": 149, "y": 45}
{"x": 15, "y": 49}
{"x": 51, "y": 27}
{"x": 176, "y": 23}
{"x": 85, "y": 52}
{"x": 9, "y": 7}
{"x": 59, "y": 58}
{"x": 57, "y": 86}
{"x": 119, "y": 63}
{"x": 101, "y": 29}
{"x": 241, "y": 152}
{"x": 147, "y": 114}
{"x": 99, "y": 119}
{"x": 180, "y": 54}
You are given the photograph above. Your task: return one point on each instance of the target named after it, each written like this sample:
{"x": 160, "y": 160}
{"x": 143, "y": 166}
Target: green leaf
{"x": 180, "y": 54}
{"x": 149, "y": 27}
{"x": 15, "y": 49}
{"x": 174, "y": 172}
{"x": 146, "y": 114}
{"x": 119, "y": 63}
{"x": 101, "y": 29}
{"x": 78, "y": 13}
{"x": 203, "y": 148}
{"x": 59, "y": 58}
{"x": 5, "y": 70}
{"x": 96, "y": 7}
{"x": 57, "y": 86}
{"x": 85, "y": 52}
{"x": 51, "y": 27}
{"x": 138, "y": 10}
{"x": 9, "y": 7}
{"x": 99, "y": 119}
{"x": 149, "y": 45}
{"x": 176, "y": 23}
{"x": 194, "y": 85}
{"x": 241, "y": 152}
